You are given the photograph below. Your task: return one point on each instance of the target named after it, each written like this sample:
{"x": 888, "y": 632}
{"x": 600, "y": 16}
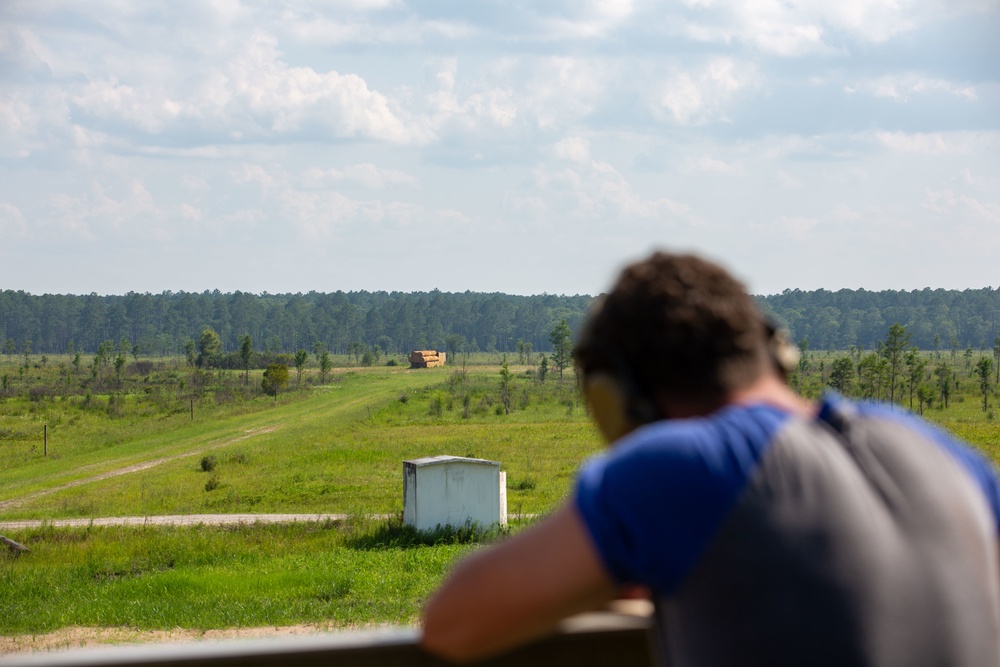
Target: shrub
{"x": 208, "y": 463}
{"x": 525, "y": 484}
{"x": 212, "y": 484}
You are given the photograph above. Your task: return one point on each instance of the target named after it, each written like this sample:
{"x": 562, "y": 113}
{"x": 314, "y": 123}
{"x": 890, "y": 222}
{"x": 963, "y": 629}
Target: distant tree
{"x": 842, "y": 374}
{"x": 357, "y": 348}
{"x": 103, "y": 355}
{"x": 318, "y": 348}
{"x": 136, "y": 351}
{"x": 520, "y": 350}
{"x": 27, "y": 351}
{"x": 454, "y": 342}
{"x": 543, "y": 368}
{"x": 893, "y": 351}
{"x": 873, "y": 371}
{"x": 368, "y": 358}
{"x": 944, "y": 383}
{"x": 120, "y": 360}
{"x": 805, "y": 363}
{"x": 246, "y": 354}
{"x": 505, "y": 377}
{"x": 528, "y": 349}
{"x": 376, "y": 352}
{"x": 301, "y": 357}
{"x": 984, "y": 371}
{"x": 925, "y": 396}
{"x": 189, "y": 351}
{"x": 968, "y": 357}
{"x": 209, "y": 345}
{"x": 324, "y": 365}
{"x": 275, "y": 378}
{"x": 9, "y": 348}
{"x": 916, "y": 367}
{"x": 562, "y": 346}
{"x": 77, "y": 358}
{"x": 996, "y": 355}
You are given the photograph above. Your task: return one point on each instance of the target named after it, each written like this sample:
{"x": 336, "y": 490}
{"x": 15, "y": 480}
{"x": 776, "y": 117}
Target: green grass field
{"x": 206, "y": 578}
{"x": 327, "y": 448}
{"x": 335, "y": 448}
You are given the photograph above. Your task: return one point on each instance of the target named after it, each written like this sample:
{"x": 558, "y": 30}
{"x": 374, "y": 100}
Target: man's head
{"x": 675, "y": 330}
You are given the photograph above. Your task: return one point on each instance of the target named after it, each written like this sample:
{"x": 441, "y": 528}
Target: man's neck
{"x": 772, "y": 390}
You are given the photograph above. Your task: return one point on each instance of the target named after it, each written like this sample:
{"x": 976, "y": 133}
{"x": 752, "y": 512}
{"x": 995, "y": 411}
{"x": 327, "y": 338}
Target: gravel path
{"x": 180, "y": 520}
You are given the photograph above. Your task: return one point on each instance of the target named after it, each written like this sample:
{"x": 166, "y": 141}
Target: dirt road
{"x": 138, "y": 467}
{"x": 179, "y": 520}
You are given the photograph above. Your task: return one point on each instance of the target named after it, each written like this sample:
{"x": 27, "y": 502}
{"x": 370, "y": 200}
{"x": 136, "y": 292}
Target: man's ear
{"x": 608, "y": 404}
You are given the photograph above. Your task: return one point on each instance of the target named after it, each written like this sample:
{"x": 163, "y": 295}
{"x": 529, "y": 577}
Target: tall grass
{"x": 359, "y": 573}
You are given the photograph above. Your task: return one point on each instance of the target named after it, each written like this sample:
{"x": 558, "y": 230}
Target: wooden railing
{"x": 589, "y": 640}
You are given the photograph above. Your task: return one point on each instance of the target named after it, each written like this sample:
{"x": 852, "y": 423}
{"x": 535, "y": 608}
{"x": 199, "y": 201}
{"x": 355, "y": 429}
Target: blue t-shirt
{"x": 752, "y": 522}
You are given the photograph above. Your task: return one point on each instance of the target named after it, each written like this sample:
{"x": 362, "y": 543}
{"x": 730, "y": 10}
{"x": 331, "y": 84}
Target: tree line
{"x": 935, "y": 319}
{"x": 342, "y": 322}
{"x": 353, "y": 322}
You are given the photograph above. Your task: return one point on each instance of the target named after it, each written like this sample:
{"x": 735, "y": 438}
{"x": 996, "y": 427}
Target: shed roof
{"x": 447, "y": 458}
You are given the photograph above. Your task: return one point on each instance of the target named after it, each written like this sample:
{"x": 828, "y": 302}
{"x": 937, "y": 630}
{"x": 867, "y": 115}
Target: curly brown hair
{"x": 675, "y": 327}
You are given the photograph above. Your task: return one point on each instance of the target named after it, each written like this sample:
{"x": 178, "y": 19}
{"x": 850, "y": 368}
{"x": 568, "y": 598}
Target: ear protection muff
{"x": 638, "y": 407}
{"x": 784, "y": 354}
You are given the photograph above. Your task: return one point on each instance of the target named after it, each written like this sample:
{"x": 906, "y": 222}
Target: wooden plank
{"x": 593, "y": 640}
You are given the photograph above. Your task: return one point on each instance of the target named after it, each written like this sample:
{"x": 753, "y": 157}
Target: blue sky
{"x": 508, "y": 146}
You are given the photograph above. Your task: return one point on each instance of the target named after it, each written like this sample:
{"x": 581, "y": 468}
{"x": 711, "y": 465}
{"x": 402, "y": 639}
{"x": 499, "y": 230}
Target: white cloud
{"x": 933, "y": 143}
{"x": 366, "y": 175}
{"x": 100, "y": 213}
{"x": 797, "y": 27}
{"x": 574, "y": 149}
{"x": 192, "y": 182}
{"x": 254, "y": 173}
{"x": 948, "y": 202}
{"x": 589, "y": 19}
{"x": 795, "y": 227}
{"x": 594, "y": 191}
{"x": 12, "y": 224}
{"x": 702, "y": 96}
{"x": 327, "y": 215}
{"x": 189, "y": 212}
{"x": 786, "y": 180}
{"x": 706, "y": 164}
{"x": 560, "y": 90}
{"x": 256, "y": 94}
{"x": 902, "y": 87}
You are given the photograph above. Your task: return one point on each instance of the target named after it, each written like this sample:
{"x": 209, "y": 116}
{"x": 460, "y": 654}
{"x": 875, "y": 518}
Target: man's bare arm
{"x": 517, "y": 591}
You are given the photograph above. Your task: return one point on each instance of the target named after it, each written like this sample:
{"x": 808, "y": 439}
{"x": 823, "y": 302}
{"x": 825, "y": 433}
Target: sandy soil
{"x": 79, "y": 637}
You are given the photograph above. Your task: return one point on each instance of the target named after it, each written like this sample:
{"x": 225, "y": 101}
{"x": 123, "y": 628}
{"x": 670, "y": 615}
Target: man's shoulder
{"x": 839, "y": 413}
{"x": 734, "y": 424}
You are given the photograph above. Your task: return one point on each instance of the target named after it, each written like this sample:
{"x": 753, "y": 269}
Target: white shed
{"x": 453, "y": 491}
